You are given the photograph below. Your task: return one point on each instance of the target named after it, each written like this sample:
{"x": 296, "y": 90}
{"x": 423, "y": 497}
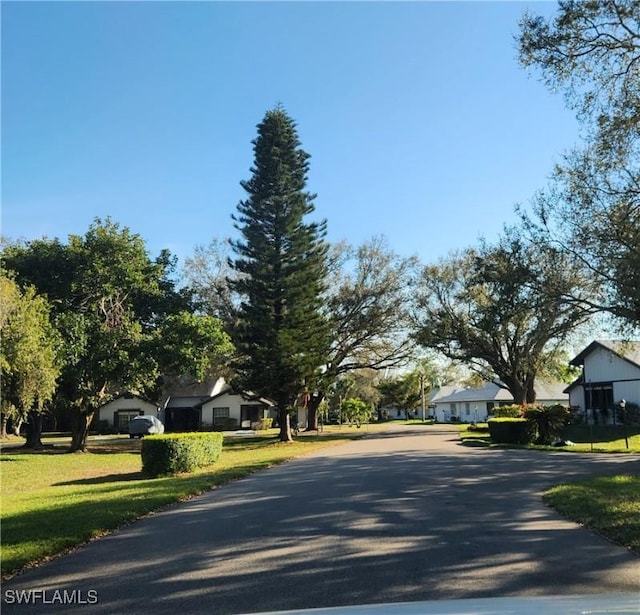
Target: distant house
{"x": 181, "y": 410}
{"x": 117, "y": 413}
{"x": 472, "y": 405}
{"x": 213, "y": 406}
{"x": 610, "y": 373}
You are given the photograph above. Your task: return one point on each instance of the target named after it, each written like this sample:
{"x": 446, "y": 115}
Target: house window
{"x": 467, "y": 408}
{"x": 453, "y": 409}
{"x": 124, "y": 416}
{"x": 220, "y": 415}
{"x": 600, "y": 396}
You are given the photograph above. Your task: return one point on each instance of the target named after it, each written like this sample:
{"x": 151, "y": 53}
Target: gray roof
{"x": 492, "y": 392}
{"x": 438, "y": 393}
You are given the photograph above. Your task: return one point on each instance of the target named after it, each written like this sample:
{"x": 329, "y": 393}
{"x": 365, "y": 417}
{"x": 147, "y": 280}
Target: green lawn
{"x": 607, "y": 505}
{"x": 587, "y": 438}
{"x": 52, "y": 500}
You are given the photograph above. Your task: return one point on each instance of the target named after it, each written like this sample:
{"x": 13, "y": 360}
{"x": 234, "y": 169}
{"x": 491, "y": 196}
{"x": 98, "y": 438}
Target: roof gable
{"x": 246, "y": 395}
{"x": 627, "y": 350}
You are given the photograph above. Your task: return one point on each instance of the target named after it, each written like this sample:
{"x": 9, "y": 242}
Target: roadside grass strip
{"x": 608, "y": 505}
{"x": 54, "y": 501}
{"x": 585, "y": 439}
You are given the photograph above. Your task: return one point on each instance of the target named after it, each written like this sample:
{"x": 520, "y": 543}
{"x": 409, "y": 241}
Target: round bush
{"x": 181, "y": 452}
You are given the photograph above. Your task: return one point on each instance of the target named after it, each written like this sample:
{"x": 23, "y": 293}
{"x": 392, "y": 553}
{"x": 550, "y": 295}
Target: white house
{"x": 117, "y": 413}
{"x": 233, "y": 408}
{"x": 472, "y": 405}
{"x": 610, "y": 373}
{"x": 189, "y": 406}
{"x": 213, "y": 406}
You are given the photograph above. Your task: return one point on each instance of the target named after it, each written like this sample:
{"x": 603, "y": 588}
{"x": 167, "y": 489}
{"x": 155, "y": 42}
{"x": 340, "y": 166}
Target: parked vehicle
{"x": 145, "y": 425}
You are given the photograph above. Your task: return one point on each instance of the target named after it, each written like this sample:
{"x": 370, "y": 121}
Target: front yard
{"x": 53, "y": 501}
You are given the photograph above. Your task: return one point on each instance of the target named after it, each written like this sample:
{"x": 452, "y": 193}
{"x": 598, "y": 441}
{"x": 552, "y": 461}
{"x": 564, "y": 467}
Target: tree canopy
{"x": 29, "y": 361}
{"x": 485, "y": 308}
{"x": 113, "y": 307}
{"x": 591, "y": 51}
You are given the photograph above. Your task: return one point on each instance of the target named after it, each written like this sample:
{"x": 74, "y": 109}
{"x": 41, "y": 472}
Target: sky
{"x": 421, "y": 125}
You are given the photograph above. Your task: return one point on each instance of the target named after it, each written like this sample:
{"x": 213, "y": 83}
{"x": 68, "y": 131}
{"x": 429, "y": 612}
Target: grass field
{"x": 52, "y": 500}
{"x": 607, "y": 505}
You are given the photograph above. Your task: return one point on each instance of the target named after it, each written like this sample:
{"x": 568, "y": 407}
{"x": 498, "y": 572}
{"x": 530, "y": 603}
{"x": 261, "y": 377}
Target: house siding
{"x": 602, "y": 365}
{"x": 229, "y": 400}
{"x": 124, "y": 404}
{"x": 607, "y": 379}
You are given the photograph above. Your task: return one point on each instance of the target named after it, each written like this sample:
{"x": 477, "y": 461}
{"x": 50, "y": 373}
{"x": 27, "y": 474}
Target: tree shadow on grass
{"x": 107, "y": 478}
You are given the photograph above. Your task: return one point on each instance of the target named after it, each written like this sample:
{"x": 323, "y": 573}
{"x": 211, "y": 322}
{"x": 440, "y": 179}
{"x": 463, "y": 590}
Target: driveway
{"x": 402, "y": 516}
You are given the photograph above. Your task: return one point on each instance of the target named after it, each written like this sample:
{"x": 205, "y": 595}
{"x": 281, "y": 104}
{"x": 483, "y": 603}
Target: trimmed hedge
{"x": 512, "y": 431}
{"x": 179, "y": 452}
{"x": 513, "y": 411}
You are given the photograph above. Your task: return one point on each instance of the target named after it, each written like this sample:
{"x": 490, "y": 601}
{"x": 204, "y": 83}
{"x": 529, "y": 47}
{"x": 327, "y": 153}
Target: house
{"x": 189, "y": 406}
{"x": 231, "y": 408}
{"x": 431, "y": 398}
{"x": 213, "y": 406}
{"x": 610, "y": 373}
{"x": 181, "y": 410}
{"x": 117, "y": 413}
{"x": 472, "y": 405}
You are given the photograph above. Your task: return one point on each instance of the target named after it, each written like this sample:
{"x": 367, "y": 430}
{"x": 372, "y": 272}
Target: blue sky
{"x": 421, "y": 124}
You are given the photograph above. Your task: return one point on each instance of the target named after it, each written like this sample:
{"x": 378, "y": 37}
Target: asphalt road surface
{"x": 396, "y": 517}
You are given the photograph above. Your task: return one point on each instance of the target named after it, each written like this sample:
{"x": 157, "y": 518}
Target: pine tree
{"x": 281, "y": 333}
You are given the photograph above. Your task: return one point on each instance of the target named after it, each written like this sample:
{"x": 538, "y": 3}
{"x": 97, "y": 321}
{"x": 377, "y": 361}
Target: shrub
{"x": 181, "y": 452}
{"x": 631, "y": 414}
{"x": 507, "y": 430}
{"x": 226, "y": 424}
{"x": 548, "y": 421}
{"x": 513, "y": 411}
{"x": 263, "y": 424}
{"x": 104, "y": 427}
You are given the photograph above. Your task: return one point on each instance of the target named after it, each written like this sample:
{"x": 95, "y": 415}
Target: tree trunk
{"x": 3, "y": 427}
{"x": 285, "y": 426}
{"x": 312, "y": 411}
{"x": 531, "y": 392}
{"x": 16, "y": 426}
{"x": 80, "y": 432}
{"x": 517, "y": 390}
{"x": 34, "y": 431}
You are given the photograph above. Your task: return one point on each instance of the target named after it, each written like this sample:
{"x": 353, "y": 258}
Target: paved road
{"x": 396, "y": 517}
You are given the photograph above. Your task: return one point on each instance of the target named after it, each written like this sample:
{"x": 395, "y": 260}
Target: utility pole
{"x": 424, "y": 418}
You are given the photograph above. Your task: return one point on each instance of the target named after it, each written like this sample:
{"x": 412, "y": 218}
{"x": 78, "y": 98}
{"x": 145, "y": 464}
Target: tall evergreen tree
{"x": 280, "y": 262}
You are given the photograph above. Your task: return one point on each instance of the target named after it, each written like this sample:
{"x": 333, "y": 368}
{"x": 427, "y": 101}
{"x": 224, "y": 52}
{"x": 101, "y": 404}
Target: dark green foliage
{"x": 227, "y": 424}
{"x": 280, "y": 331}
{"x": 630, "y": 415}
{"x": 548, "y": 420}
{"x": 123, "y": 323}
{"x": 512, "y": 431}
{"x": 183, "y": 452}
{"x": 513, "y": 411}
